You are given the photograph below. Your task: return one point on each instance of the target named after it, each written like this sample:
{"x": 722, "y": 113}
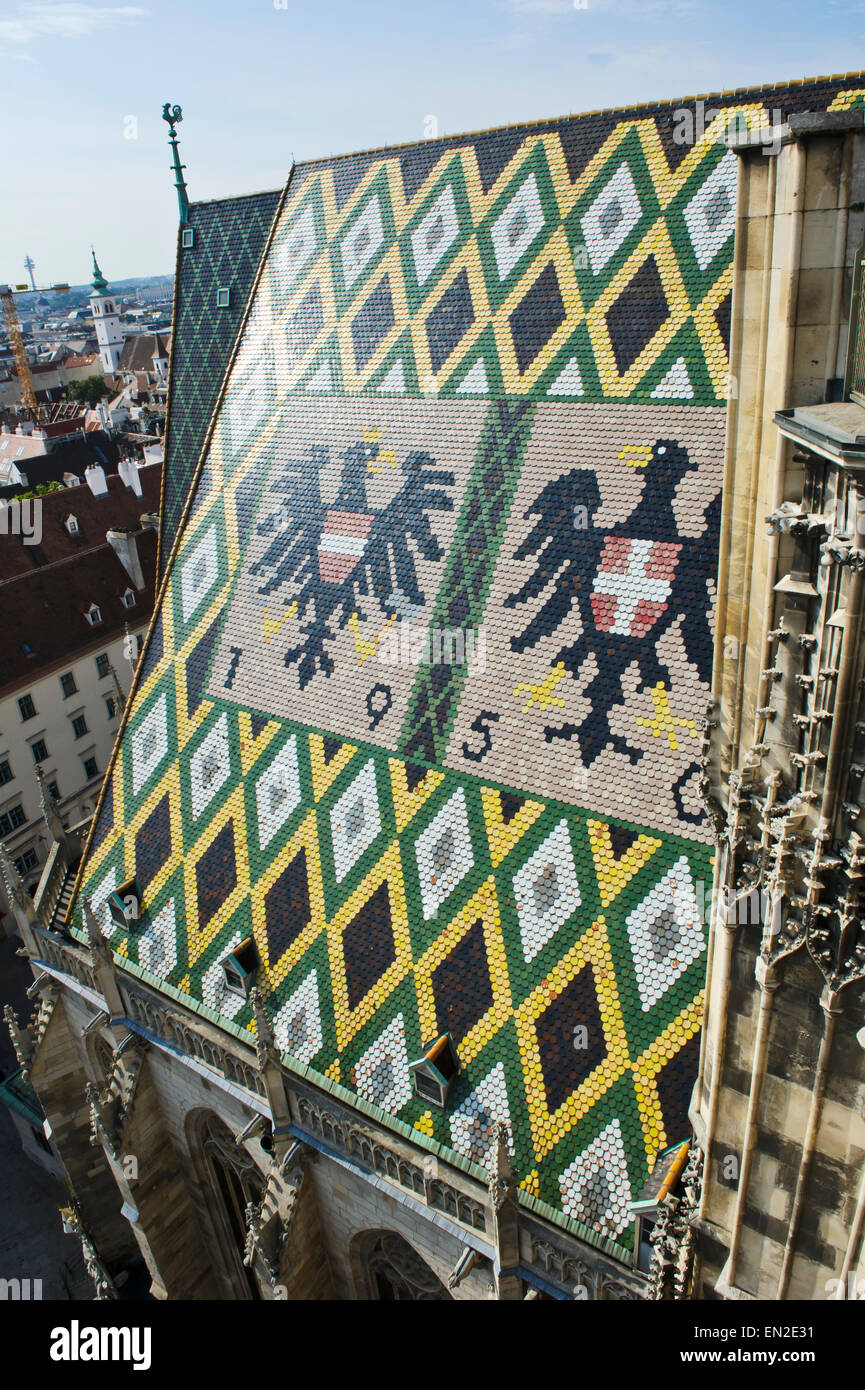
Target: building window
{"x": 10, "y": 820}
{"x": 102, "y": 665}
{"x": 71, "y": 524}
{"x": 223, "y": 298}
{"x": 54, "y": 790}
{"x": 6, "y": 773}
{"x": 26, "y": 706}
{"x": 187, "y": 238}
{"x": 128, "y": 599}
{"x": 26, "y": 861}
{"x": 236, "y": 1183}
{"x": 79, "y": 726}
{"x": 39, "y": 750}
{"x": 94, "y": 615}
{"x": 90, "y": 768}
{"x": 397, "y": 1273}
{"x": 67, "y": 685}
{"x": 110, "y": 706}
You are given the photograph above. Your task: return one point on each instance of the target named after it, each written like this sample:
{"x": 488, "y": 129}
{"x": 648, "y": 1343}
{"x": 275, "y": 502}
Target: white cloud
{"x": 30, "y": 23}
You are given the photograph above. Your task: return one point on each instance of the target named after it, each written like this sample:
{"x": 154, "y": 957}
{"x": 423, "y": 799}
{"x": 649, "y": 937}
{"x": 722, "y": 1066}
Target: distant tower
{"x": 30, "y": 266}
{"x": 106, "y": 319}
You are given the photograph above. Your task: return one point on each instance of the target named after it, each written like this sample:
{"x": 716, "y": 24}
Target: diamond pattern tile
{"x": 229, "y": 235}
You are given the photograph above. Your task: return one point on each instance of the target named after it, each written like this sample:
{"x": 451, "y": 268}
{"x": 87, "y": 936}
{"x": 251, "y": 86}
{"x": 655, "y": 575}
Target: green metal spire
{"x": 100, "y": 284}
{"x": 173, "y": 115}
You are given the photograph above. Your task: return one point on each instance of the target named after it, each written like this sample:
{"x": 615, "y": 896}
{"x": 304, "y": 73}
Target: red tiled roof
{"x": 95, "y": 515}
{"x": 44, "y": 610}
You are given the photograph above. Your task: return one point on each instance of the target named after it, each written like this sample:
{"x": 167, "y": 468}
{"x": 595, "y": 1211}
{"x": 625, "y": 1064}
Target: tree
{"x": 90, "y": 390}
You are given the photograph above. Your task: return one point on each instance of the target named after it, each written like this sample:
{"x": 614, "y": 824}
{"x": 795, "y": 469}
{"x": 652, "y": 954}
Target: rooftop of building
{"x": 83, "y": 360}
{"x": 45, "y": 622}
{"x": 118, "y": 508}
{"x": 138, "y": 352}
{"x": 481, "y": 385}
{"x": 45, "y": 458}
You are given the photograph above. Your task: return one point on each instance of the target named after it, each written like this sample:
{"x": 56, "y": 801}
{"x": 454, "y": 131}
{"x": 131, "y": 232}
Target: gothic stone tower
{"x": 777, "y": 1105}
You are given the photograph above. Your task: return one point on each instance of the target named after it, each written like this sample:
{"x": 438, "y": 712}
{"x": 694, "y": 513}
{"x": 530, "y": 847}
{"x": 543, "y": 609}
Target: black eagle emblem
{"x": 327, "y": 558}
{"x": 630, "y": 583}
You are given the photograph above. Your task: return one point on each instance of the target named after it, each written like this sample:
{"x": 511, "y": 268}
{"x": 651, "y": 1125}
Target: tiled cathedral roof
{"x": 480, "y": 391}
{"x": 228, "y": 238}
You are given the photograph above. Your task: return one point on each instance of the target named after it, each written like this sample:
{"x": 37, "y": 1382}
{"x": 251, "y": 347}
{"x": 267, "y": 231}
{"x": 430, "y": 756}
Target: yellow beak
{"x": 636, "y": 455}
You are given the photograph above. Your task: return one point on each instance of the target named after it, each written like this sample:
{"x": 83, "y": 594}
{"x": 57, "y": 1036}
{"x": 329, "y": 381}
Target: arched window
{"x": 396, "y": 1273}
{"x": 236, "y": 1179}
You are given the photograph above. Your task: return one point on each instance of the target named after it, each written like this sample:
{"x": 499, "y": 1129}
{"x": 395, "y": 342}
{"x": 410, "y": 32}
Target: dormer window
{"x": 239, "y": 968}
{"x": 128, "y": 599}
{"x": 223, "y": 298}
{"x": 71, "y": 524}
{"x": 434, "y": 1071}
{"x": 94, "y": 615}
{"x": 124, "y": 905}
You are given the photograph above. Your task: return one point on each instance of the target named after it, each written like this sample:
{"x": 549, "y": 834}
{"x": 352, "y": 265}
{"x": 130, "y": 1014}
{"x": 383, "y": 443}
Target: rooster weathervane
{"x": 174, "y": 115}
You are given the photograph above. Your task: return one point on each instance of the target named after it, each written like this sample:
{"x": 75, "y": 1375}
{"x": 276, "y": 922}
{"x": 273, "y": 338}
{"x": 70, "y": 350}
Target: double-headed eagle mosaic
{"x": 332, "y": 557}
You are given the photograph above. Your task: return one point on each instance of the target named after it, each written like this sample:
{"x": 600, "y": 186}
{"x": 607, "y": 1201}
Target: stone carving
{"x": 26, "y": 1040}
{"x": 103, "y": 1283}
{"x": 349, "y": 1138}
{"x": 502, "y": 1183}
{"x": 673, "y": 1237}
{"x": 269, "y": 1222}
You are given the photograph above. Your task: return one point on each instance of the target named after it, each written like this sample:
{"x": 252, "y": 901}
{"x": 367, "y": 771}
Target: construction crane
{"x": 10, "y": 314}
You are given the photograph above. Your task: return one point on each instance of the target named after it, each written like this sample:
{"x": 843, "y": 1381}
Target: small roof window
{"x": 239, "y": 968}
{"x": 435, "y": 1070}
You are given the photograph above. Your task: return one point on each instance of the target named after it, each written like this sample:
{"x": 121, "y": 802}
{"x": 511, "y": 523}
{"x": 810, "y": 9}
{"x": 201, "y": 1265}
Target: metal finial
{"x": 174, "y": 115}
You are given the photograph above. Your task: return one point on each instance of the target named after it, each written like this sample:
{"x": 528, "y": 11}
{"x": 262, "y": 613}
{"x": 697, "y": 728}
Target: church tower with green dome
{"x": 106, "y": 318}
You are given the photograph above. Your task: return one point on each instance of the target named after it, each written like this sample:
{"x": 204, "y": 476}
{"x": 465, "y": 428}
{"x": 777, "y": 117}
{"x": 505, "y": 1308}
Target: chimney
{"x": 94, "y": 476}
{"x": 125, "y": 547}
{"x": 128, "y": 470}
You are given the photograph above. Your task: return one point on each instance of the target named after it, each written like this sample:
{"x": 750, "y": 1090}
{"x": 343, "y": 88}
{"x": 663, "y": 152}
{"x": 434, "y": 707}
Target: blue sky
{"x": 262, "y": 80}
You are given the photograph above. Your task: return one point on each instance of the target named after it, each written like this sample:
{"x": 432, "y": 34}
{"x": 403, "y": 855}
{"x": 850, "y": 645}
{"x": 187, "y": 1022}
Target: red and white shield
{"x": 632, "y": 584}
{"x": 343, "y": 540}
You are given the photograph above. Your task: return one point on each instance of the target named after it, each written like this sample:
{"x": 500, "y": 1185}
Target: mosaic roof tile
{"x": 229, "y": 237}
{"x": 422, "y": 704}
